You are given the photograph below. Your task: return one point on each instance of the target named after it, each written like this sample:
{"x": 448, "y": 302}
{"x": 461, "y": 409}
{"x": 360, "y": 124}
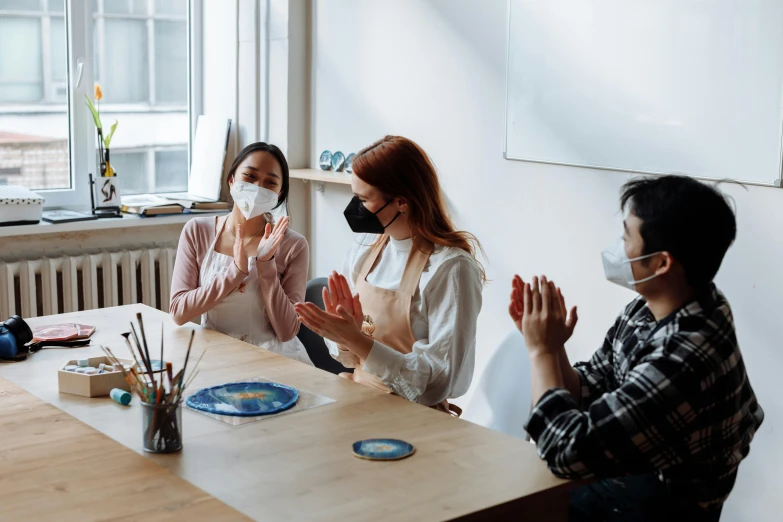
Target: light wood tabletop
{"x": 300, "y": 466}
{"x": 54, "y": 466}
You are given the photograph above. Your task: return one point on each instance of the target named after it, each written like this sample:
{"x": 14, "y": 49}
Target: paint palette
{"x": 383, "y": 449}
{"x": 244, "y": 399}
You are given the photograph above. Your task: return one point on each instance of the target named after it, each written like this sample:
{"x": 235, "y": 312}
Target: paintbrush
{"x": 169, "y": 372}
{"x": 178, "y": 377}
{"x": 146, "y": 347}
{"x": 108, "y": 355}
{"x": 192, "y": 373}
{"x": 192, "y": 377}
{"x": 195, "y": 367}
{"x": 161, "y": 354}
{"x": 137, "y": 345}
{"x": 130, "y": 347}
{"x": 176, "y": 387}
{"x": 181, "y": 389}
{"x": 147, "y": 364}
{"x": 187, "y": 356}
{"x": 114, "y": 360}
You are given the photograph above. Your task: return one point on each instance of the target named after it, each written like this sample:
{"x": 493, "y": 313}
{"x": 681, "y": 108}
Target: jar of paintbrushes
{"x": 160, "y": 392}
{"x": 161, "y": 426}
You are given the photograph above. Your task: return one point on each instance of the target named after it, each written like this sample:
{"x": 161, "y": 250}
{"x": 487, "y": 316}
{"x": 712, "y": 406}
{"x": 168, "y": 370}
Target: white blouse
{"x": 444, "y": 311}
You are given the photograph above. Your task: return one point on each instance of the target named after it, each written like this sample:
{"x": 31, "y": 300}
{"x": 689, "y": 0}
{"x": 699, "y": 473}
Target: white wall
{"x": 434, "y": 71}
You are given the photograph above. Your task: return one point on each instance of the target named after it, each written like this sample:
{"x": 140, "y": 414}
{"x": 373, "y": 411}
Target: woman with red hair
{"x": 403, "y": 311}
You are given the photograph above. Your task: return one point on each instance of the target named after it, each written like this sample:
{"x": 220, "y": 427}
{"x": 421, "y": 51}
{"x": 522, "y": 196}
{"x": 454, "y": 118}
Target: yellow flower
{"x": 98, "y": 92}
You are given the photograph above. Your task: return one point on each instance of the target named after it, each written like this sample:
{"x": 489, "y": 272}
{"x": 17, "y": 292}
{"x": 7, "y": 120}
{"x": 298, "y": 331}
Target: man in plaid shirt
{"x": 663, "y": 411}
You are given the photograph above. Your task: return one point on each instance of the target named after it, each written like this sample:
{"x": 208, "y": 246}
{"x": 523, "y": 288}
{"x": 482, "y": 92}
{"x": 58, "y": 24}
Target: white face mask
{"x": 252, "y": 200}
{"x": 617, "y": 266}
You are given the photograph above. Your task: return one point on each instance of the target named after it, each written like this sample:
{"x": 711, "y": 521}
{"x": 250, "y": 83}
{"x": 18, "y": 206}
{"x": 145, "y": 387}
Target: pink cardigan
{"x": 282, "y": 279}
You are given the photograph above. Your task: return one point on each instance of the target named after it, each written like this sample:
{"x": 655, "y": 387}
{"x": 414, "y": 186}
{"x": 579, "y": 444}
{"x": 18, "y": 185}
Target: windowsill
{"x": 114, "y": 108}
{"x": 127, "y": 221}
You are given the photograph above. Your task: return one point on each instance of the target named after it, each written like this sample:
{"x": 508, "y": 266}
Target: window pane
{"x": 116, "y": 6}
{"x": 136, "y": 7}
{"x": 58, "y": 61}
{"x": 171, "y": 7}
{"x": 171, "y": 62}
{"x": 56, "y": 6}
{"x": 139, "y": 7}
{"x": 171, "y": 170}
{"x": 21, "y": 60}
{"x": 20, "y": 5}
{"x": 33, "y": 130}
{"x": 131, "y": 168}
{"x": 124, "y": 77}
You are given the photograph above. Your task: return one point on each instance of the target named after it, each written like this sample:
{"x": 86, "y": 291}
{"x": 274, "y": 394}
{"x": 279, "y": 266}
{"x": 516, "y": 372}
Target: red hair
{"x": 399, "y": 168}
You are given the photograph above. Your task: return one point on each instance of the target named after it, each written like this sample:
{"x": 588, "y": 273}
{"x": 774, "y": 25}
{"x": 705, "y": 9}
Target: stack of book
{"x": 156, "y": 205}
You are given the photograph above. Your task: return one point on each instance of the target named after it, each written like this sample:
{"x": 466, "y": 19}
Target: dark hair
{"x": 260, "y": 146}
{"x": 398, "y": 167}
{"x": 687, "y": 218}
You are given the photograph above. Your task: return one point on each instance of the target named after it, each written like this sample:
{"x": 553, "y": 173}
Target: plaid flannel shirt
{"x": 669, "y": 397}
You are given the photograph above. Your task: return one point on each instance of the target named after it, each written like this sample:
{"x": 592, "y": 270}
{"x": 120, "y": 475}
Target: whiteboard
{"x": 655, "y": 86}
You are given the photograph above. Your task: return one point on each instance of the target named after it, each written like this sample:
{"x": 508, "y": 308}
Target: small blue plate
{"x": 382, "y": 449}
{"x": 338, "y": 161}
{"x": 349, "y": 162}
{"x": 325, "y": 161}
{"x": 244, "y": 399}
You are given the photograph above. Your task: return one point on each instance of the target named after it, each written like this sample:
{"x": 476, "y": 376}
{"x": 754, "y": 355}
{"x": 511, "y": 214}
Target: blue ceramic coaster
{"x": 382, "y": 449}
{"x": 325, "y": 161}
{"x": 349, "y": 162}
{"x": 244, "y": 399}
{"x": 338, "y": 161}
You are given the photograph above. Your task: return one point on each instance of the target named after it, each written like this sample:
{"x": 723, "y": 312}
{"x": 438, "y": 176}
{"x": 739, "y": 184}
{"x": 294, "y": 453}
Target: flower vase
{"x": 108, "y": 171}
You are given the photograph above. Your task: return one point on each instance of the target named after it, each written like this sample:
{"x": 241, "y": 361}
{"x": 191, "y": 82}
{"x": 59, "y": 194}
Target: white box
{"x": 19, "y": 206}
{"x": 95, "y": 385}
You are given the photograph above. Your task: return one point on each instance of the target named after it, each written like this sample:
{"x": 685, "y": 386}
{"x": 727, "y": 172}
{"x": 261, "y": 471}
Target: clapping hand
{"x": 267, "y": 247}
{"x": 539, "y": 312}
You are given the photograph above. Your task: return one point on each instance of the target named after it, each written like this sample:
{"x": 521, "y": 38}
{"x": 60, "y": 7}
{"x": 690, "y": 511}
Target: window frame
{"x": 79, "y": 18}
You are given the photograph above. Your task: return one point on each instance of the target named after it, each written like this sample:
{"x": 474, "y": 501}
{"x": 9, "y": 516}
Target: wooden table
{"x": 299, "y": 466}
{"x": 52, "y": 464}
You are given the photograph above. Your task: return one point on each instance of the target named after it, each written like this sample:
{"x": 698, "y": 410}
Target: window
{"x": 33, "y": 95}
{"x": 140, "y": 54}
{"x": 164, "y": 168}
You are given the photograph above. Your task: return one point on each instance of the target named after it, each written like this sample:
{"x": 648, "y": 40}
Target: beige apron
{"x": 390, "y": 311}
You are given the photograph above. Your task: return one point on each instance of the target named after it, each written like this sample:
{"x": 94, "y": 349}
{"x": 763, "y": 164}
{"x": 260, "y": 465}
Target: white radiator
{"x": 49, "y": 286}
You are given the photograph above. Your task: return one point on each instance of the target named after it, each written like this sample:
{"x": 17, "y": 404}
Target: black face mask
{"x": 362, "y": 221}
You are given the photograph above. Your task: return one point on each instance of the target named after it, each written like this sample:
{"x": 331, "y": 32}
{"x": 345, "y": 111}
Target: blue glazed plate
{"x": 325, "y": 161}
{"x": 349, "y": 162}
{"x": 244, "y": 399}
{"x": 338, "y": 161}
{"x": 382, "y": 449}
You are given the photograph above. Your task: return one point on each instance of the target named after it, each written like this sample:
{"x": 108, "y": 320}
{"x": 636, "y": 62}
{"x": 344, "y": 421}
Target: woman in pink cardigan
{"x": 243, "y": 273}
